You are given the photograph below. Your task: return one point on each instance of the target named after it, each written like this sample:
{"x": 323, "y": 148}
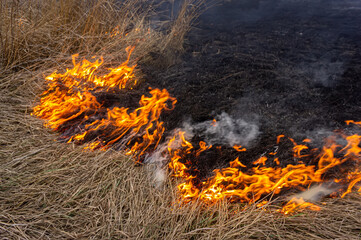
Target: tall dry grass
{"x": 34, "y": 32}
{"x": 51, "y": 190}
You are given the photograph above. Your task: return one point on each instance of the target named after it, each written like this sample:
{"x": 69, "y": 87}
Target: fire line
{"x": 70, "y": 106}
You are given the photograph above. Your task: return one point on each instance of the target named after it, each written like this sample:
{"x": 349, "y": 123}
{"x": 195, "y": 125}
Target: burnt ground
{"x": 291, "y": 68}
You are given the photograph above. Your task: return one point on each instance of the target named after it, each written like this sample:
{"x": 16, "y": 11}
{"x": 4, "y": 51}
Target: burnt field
{"x": 288, "y": 68}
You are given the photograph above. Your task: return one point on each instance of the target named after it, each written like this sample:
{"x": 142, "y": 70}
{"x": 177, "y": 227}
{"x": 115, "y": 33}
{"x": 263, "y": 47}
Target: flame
{"x": 236, "y": 163}
{"x": 298, "y": 204}
{"x": 239, "y": 148}
{"x": 239, "y": 183}
{"x": 142, "y": 120}
{"x": 83, "y": 76}
{"x": 60, "y": 106}
{"x": 348, "y": 122}
{"x": 262, "y": 160}
{"x": 71, "y": 98}
{"x": 71, "y": 107}
{"x": 69, "y": 95}
{"x": 202, "y": 148}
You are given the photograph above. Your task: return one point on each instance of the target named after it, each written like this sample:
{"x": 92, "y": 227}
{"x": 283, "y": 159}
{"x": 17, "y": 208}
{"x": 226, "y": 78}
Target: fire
{"x": 69, "y": 95}
{"x": 70, "y": 106}
{"x": 143, "y": 121}
{"x": 248, "y": 185}
{"x": 239, "y": 148}
{"x": 298, "y": 203}
{"x": 83, "y": 76}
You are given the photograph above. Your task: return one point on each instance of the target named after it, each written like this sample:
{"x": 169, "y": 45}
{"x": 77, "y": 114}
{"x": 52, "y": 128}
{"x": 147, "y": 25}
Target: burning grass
{"x": 57, "y": 191}
{"x": 52, "y": 190}
{"x": 334, "y": 164}
{"x": 70, "y": 106}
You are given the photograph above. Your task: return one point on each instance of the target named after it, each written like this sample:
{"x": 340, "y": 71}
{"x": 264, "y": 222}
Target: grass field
{"x": 52, "y": 190}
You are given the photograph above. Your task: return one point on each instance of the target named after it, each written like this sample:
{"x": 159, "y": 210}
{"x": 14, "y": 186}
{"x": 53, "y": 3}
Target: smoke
{"x": 318, "y": 136}
{"x": 315, "y": 193}
{"x": 322, "y": 73}
{"x": 159, "y": 156}
{"x": 156, "y": 168}
{"x": 323, "y": 137}
{"x": 156, "y": 161}
{"x": 224, "y": 130}
{"x": 327, "y": 73}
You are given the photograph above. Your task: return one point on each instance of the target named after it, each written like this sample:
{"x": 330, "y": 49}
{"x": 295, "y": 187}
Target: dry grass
{"x": 51, "y": 190}
{"x": 36, "y": 32}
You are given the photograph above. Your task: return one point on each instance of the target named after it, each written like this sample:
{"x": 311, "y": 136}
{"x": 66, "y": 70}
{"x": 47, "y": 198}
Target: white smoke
{"x": 156, "y": 161}
{"x": 315, "y": 193}
{"x": 160, "y": 175}
{"x": 326, "y": 72}
{"x": 320, "y": 137}
{"x": 224, "y": 131}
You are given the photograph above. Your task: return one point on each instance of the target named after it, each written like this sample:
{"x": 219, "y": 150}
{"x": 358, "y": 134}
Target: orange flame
{"x": 142, "y": 120}
{"x": 298, "y": 204}
{"x": 239, "y": 148}
{"x": 237, "y": 183}
{"x": 71, "y": 96}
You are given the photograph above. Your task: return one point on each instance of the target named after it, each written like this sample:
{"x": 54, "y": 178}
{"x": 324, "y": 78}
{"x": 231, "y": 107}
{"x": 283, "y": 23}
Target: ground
{"x": 291, "y": 69}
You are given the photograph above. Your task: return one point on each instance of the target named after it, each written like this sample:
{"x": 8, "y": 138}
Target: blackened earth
{"x": 291, "y": 67}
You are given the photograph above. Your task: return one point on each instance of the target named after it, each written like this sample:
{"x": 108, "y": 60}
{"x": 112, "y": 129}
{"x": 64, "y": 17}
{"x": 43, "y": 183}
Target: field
{"x": 53, "y": 190}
